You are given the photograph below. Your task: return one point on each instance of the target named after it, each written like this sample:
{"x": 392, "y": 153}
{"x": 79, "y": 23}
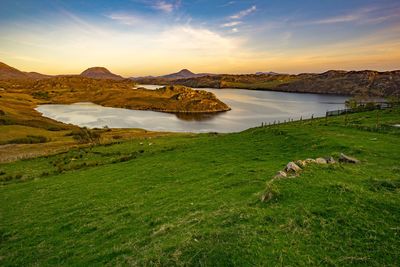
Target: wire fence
{"x": 331, "y": 113}
{"x": 361, "y": 108}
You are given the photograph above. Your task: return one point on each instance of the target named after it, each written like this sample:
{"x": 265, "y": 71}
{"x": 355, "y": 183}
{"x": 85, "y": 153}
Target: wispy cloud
{"x": 229, "y": 3}
{"x": 127, "y": 19}
{"x": 165, "y": 6}
{"x": 244, "y": 13}
{"x": 231, "y": 24}
{"x": 363, "y": 15}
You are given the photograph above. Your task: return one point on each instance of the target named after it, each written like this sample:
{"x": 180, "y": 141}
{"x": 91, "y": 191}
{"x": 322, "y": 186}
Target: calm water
{"x": 249, "y": 109}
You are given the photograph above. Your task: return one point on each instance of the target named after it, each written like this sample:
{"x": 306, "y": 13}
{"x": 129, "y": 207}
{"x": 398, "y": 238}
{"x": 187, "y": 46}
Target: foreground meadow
{"x": 195, "y": 199}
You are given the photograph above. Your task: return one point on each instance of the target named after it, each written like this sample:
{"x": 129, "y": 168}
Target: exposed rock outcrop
{"x": 292, "y": 170}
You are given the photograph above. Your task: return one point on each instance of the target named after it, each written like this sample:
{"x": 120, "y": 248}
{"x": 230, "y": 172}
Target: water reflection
{"x": 197, "y": 116}
{"x": 249, "y": 109}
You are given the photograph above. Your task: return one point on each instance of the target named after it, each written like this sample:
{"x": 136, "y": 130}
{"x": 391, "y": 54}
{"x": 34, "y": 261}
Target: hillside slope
{"x": 371, "y": 83}
{"x": 194, "y": 200}
{"x": 8, "y": 72}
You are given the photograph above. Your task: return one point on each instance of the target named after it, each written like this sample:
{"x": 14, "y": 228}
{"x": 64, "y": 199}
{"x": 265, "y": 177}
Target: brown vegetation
{"x": 372, "y": 83}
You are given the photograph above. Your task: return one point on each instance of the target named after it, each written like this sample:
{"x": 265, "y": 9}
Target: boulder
{"x": 301, "y": 163}
{"x": 330, "y": 160}
{"x": 346, "y": 159}
{"x": 308, "y": 161}
{"x": 292, "y": 167}
{"x": 320, "y": 161}
{"x": 280, "y": 175}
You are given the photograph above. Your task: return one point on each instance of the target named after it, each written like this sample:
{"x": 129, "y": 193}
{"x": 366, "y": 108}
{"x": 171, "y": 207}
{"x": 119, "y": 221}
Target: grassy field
{"x": 25, "y": 133}
{"x": 195, "y": 200}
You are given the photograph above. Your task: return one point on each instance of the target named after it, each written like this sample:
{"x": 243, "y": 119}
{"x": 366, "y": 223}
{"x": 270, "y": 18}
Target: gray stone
{"x": 292, "y": 167}
{"x": 301, "y": 163}
{"x": 346, "y": 159}
{"x": 280, "y": 175}
{"x": 330, "y": 160}
{"x": 307, "y": 161}
{"x": 320, "y": 161}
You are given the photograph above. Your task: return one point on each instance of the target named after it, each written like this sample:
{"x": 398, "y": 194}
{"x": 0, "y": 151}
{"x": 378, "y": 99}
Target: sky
{"x": 154, "y": 37}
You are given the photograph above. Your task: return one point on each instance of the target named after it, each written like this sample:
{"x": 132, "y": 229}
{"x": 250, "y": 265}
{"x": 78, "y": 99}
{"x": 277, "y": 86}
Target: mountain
{"x": 37, "y": 75}
{"x": 367, "y": 82}
{"x": 267, "y": 73}
{"x": 7, "y": 72}
{"x": 185, "y": 73}
{"x": 100, "y": 73}
{"x": 164, "y": 79}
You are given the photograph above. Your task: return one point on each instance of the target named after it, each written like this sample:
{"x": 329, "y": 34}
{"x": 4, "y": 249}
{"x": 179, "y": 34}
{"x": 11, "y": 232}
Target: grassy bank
{"x": 194, "y": 199}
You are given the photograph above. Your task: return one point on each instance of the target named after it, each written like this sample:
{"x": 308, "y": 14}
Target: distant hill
{"x": 267, "y": 73}
{"x": 185, "y": 73}
{"x": 36, "y": 75}
{"x": 164, "y": 79}
{"x": 8, "y": 72}
{"x": 100, "y": 73}
{"x": 367, "y": 82}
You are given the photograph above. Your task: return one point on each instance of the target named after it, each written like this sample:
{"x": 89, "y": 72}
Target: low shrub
{"x": 30, "y": 139}
{"x": 41, "y": 95}
{"x": 85, "y": 135}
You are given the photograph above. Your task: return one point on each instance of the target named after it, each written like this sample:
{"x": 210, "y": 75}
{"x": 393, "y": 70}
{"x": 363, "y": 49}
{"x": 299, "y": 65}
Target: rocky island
{"x": 121, "y": 94}
{"x": 109, "y": 92}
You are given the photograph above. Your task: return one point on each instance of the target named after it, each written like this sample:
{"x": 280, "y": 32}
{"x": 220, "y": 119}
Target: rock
{"x": 301, "y": 163}
{"x": 280, "y": 174}
{"x": 292, "y": 167}
{"x": 321, "y": 161}
{"x": 330, "y": 160}
{"x": 347, "y": 159}
{"x": 308, "y": 161}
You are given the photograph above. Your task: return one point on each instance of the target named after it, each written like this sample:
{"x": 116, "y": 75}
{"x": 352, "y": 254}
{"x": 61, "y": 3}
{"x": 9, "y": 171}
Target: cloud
{"x": 228, "y": 3}
{"x": 165, "y": 6}
{"x": 126, "y": 19}
{"x": 231, "y": 24}
{"x": 338, "y": 19}
{"x": 244, "y": 13}
{"x": 363, "y": 15}
{"x": 196, "y": 40}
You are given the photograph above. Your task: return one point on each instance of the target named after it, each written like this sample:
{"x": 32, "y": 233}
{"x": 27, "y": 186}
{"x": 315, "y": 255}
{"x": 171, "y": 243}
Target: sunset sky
{"x": 144, "y": 37}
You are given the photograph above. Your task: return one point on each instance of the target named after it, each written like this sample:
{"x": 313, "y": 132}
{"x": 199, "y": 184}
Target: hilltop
{"x": 182, "y": 74}
{"x": 10, "y": 73}
{"x": 100, "y": 73}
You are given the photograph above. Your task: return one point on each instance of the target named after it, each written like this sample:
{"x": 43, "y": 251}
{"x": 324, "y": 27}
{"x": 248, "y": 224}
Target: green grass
{"x": 194, "y": 200}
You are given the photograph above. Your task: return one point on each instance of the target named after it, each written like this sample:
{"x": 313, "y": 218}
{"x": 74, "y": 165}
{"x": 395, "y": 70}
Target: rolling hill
{"x": 100, "y": 73}
{"x": 8, "y": 72}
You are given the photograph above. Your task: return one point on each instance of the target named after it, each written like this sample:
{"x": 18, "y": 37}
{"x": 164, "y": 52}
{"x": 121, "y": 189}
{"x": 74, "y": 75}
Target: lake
{"x": 250, "y": 108}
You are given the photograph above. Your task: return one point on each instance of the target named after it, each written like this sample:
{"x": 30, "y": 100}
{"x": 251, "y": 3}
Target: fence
{"x": 361, "y": 108}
